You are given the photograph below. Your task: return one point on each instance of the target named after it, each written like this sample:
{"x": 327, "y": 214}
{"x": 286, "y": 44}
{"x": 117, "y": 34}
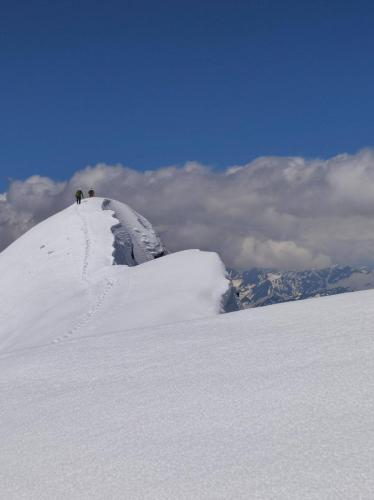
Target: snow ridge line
{"x": 123, "y": 248}
{"x": 109, "y": 284}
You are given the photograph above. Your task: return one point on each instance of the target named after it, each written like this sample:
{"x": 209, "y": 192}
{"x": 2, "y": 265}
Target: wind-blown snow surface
{"x": 270, "y": 403}
{"x": 275, "y": 402}
{"x": 58, "y": 281}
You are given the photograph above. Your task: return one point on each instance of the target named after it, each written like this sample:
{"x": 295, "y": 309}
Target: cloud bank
{"x": 278, "y": 212}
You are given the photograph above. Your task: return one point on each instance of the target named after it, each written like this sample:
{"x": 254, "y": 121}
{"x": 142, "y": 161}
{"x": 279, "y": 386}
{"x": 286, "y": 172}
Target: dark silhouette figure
{"x": 91, "y": 193}
{"x": 79, "y": 196}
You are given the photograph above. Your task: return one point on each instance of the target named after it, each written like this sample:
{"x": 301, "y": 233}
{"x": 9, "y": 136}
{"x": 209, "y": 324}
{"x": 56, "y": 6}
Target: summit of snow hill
{"x": 97, "y": 267}
{"x": 119, "y": 378}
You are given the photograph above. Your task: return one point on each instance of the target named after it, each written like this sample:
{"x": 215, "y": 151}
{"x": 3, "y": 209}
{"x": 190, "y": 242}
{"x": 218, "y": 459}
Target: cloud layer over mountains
{"x": 281, "y": 212}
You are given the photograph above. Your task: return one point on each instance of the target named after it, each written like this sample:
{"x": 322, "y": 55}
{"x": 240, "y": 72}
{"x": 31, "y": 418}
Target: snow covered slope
{"x": 268, "y": 403}
{"x": 58, "y": 280}
{"x": 123, "y": 382}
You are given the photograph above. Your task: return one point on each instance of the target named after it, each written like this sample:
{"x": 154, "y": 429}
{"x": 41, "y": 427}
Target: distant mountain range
{"x": 261, "y": 287}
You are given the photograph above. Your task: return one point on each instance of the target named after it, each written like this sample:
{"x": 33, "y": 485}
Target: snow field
{"x": 124, "y": 382}
{"x": 267, "y": 403}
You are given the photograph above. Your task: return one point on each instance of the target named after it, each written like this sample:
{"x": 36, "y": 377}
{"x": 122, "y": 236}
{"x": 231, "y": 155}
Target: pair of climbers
{"x": 79, "y": 195}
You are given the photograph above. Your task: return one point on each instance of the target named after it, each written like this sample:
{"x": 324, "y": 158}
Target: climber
{"x": 91, "y": 193}
{"x": 79, "y": 196}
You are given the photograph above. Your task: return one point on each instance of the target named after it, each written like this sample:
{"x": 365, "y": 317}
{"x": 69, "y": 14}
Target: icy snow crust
{"x": 135, "y": 241}
{"x": 268, "y": 403}
{"x": 58, "y": 280}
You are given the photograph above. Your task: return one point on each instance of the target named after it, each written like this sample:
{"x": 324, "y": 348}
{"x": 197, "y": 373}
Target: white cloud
{"x": 279, "y": 253}
{"x": 288, "y": 213}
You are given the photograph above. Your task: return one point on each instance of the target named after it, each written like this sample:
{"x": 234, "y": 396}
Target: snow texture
{"x": 151, "y": 400}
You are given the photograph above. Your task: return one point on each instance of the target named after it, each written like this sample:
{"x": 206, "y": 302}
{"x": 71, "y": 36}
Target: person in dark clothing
{"x": 79, "y": 196}
{"x": 91, "y": 193}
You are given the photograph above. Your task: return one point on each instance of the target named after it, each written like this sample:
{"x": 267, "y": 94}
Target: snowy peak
{"x": 59, "y": 281}
{"x": 103, "y": 399}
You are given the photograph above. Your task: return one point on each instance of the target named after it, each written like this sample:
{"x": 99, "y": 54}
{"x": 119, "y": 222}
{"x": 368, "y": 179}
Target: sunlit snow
{"x": 124, "y": 382}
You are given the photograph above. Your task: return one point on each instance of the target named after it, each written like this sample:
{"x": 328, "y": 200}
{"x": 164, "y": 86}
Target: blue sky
{"x": 154, "y": 83}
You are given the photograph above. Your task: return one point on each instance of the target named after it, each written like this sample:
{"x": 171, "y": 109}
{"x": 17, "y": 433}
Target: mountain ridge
{"x": 73, "y": 274}
{"x": 260, "y": 287}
